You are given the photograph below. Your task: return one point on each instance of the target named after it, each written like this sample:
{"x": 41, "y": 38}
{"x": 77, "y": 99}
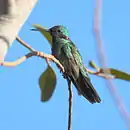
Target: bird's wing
{"x": 77, "y": 73}
{"x": 73, "y": 58}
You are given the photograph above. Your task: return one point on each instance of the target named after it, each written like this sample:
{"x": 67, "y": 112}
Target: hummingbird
{"x": 75, "y": 71}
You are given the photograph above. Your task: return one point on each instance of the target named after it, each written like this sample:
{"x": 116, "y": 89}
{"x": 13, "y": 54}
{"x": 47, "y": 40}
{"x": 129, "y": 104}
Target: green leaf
{"x": 93, "y": 65}
{"x": 47, "y": 83}
{"x": 119, "y": 74}
{"x": 44, "y": 32}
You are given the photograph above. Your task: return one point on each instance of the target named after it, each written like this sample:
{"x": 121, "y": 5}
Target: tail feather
{"x": 80, "y": 79}
{"x": 85, "y": 87}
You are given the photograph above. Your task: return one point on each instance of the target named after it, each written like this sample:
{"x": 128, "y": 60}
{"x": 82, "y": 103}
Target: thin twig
{"x": 70, "y": 105}
{"x": 100, "y": 74}
{"x": 47, "y": 57}
{"x": 24, "y": 43}
{"x": 102, "y": 58}
{"x": 30, "y": 54}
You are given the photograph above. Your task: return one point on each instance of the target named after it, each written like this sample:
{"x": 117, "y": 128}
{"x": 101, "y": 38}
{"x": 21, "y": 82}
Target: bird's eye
{"x": 58, "y": 31}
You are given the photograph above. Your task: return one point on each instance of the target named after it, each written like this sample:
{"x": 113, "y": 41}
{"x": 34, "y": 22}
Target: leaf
{"x": 44, "y": 32}
{"x": 93, "y": 65}
{"x": 47, "y": 83}
{"x": 119, "y": 74}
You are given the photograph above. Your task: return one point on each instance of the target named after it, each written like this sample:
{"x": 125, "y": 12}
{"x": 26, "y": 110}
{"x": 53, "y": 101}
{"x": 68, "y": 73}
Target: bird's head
{"x": 59, "y": 31}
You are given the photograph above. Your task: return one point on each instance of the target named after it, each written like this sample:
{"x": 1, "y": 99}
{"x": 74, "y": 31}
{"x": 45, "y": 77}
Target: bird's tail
{"x": 83, "y": 84}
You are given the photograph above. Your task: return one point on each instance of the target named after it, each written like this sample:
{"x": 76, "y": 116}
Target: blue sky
{"x": 21, "y": 107}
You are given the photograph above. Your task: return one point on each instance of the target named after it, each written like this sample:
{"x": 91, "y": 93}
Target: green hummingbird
{"x": 66, "y": 52}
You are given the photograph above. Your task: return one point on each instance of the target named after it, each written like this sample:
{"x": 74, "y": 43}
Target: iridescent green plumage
{"x": 67, "y": 53}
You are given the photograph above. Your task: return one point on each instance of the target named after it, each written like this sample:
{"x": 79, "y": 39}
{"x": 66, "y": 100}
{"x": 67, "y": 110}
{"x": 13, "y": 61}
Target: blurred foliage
{"x": 115, "y": 72}
{"x": 47, "y": 83}
{"x": 120, "y": 74}
{"x": 43, "y": 32}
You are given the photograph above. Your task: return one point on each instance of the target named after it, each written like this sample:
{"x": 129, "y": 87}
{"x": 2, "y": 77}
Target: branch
{"x": 30, "y": 54}
{"x": 70, "y": 105}
{"x": 100, "y": 73}
{"x": 47, "y": 57}
{"x": 24, "y": 43}
{"x": 102, "y": 58}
